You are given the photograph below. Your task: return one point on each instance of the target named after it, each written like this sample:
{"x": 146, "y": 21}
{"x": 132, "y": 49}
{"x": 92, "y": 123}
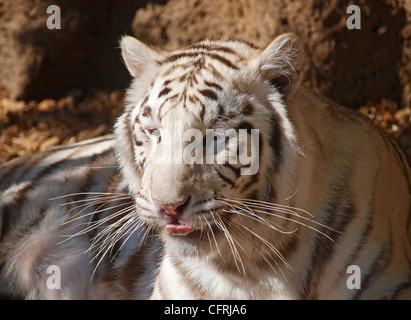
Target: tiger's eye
{"x": 152, "y": 132}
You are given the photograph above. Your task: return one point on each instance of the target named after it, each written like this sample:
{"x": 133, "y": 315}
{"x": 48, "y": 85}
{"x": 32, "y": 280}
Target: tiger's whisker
{"x": 215, "y": 240}
{"x": 98, "y": 210}
{"x": 231, "y": 242}
{"x": 287, "y": 218}
{"x": 110, "y": 227}
{"x": 269, "y": 204}
{"x": 105, "y": 197}
{"x": 97, "y": 224}
{"x": 90, "y": 193}
{"x": 244, "y": 235}
{"x": 266, "y": 222}
{"x": 106, "y": 248}
{"x": 111, "y": 240}
{"x": 138, "y": 225}
{"x": 122, "y": 232}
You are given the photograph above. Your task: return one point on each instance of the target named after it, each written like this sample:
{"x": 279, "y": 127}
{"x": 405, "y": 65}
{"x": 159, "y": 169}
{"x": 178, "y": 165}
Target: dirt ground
{"x": 27, "y": 127}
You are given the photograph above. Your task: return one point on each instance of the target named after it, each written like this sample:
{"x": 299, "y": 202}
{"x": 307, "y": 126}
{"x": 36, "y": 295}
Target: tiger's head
{"x": 204, "y": 128}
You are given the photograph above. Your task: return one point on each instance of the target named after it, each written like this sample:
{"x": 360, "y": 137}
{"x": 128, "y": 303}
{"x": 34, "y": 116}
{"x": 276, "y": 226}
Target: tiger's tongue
{"x": 178, "y": 229}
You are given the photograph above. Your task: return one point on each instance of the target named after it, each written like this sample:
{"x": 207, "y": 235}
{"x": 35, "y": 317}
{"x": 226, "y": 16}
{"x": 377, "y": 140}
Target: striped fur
{"x": 331, "y": 191}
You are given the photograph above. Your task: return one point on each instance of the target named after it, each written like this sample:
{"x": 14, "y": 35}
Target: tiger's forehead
{"x": 194, "y": 80}
{"x": 228, "y": 52}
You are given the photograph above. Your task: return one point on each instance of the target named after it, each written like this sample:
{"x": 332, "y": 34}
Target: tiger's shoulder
{"x": 346, "y": 147}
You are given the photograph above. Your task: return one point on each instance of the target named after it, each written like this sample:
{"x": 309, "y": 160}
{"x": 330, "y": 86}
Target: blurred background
{"x": 59, "y": 86}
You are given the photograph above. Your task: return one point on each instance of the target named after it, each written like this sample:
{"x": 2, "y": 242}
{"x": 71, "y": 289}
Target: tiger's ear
{"x": 280, "y": 63}
{"x": 137, "y": 56}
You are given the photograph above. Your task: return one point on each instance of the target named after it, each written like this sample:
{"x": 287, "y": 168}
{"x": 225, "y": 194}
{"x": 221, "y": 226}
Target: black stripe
{"x": 234, "y": 39}
{"x": 146, "y": 112}
{"x": 32, "y": 160}
{"x": 11, "y": 210}
{"x": 190, "y": 77}
{"x": 173, "y": 97}
{"x": 225, "y": 179}
{"x": 194, "y": 54}
{"x": 402, "y": 159}
{"x": 211, "y": 47}
{"x": 89, "y": 185}
{"x": 245, "y": 126}
{"x": 26, "y": 227}
{"x": 236, "y": 171}
{"x": 378, "y": 265}
{"x": 213, "y": 85}
{"x": 164, "y": 92}
{"x": 406, "y": 285}
{"x": 247, "y": 108}
{"x": 339, "y": 213}
{"x": 136, "y": 267}
{"x": 202, "y": 112}
{"x": 130, "y": 135}
{"x": 363, "y": 238}
{"x": 290, "y": 246}
{"x": 174, "y": 67}
{"x": 253, "y": 180}
{"x": 216, "y": 74}
{"x": 276, "y": 132}
{"x": 196, "y": 290}
{"x": 180, "y": 55}
{"x": 224, "y": 61}
{"x": 114, "y": 180}
{"x": 144, "y": 100}
{"x": 137, "y": 142}
{"x": 220, "y": 110}
{"x": 193, "y": 99}
{"x": 208, "y": 93}
{"x": 88, "y": 177}
{"x": 26, "y": 163}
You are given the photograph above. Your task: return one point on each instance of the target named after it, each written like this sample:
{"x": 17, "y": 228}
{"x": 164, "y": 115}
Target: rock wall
{"x": 352, "y": 67}
{"x": 36, "y": 62}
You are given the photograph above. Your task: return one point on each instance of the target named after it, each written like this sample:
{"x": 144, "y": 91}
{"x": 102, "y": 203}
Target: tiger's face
{"x": 204, "y": 126}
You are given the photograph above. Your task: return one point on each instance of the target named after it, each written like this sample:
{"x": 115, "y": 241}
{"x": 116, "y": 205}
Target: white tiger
{"x": 331, "y": 191}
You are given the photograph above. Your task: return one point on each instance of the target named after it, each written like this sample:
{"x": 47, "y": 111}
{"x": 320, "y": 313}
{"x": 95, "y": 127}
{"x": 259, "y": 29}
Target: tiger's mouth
{"x": 177, "y": 228}
{"x": 185, "y": 225}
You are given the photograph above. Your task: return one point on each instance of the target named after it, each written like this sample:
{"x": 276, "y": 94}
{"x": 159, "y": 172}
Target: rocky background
{"x": 64, "y": 85}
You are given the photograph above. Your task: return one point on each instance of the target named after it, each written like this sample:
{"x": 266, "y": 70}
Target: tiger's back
{"x": 361, "y": 181}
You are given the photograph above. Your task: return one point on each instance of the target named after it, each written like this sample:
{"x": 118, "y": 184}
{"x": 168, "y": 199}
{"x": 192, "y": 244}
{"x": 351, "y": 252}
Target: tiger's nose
{"x": 170, "y": 209}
